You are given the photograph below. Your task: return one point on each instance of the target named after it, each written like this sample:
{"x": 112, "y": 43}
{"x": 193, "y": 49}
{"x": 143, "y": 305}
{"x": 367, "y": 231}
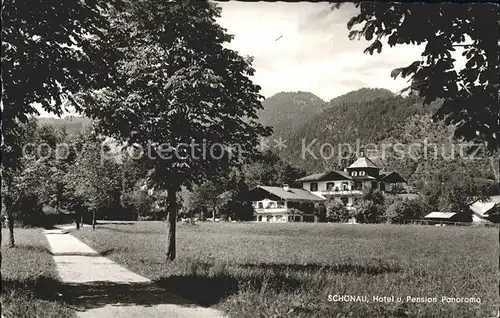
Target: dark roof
{"x": 292, "y": 193}
{"x": 325, "y": 176}
{"x": 391, "y": 175}
{"x": 363, "y": 162}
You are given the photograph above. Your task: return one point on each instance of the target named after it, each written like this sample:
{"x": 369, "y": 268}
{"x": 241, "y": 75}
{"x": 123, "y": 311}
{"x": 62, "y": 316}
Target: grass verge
{"x": 264, "y": 270}
{"x": 29, "y": 277}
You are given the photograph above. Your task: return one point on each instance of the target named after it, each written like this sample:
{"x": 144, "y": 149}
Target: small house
{"x": 447, "y": 217}
{"x": 488, "y": 210}
{"x": 284, "y": 204}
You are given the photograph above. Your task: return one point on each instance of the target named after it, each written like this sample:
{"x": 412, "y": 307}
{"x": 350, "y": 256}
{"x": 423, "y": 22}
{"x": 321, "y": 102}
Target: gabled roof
{"x": 484, "y": 208}
{"x": 363, "y": 162}
{"x": 440, "y": 215}
{"x": 326, "y": 176}
{"x": 391, "y": 175}
{"x": 292, "y": 193}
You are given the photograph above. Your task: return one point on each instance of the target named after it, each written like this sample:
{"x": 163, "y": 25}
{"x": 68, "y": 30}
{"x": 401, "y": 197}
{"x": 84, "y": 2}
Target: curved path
{"x": 98, "y": 287}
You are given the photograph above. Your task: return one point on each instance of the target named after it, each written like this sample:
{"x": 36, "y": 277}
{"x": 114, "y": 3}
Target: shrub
{"x": 336, "y": 212}
{"x": 369, "y": 212}
{"x": 399, "y": 210}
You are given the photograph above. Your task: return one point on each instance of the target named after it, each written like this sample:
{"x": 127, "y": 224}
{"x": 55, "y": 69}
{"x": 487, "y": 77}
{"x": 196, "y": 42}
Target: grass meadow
{"x": 29, "y": 277}
{"x": 274, "y": 270}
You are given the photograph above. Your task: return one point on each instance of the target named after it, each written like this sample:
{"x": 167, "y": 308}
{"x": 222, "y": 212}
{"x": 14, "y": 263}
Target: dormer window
{"x": 361, "y": 173}
{"x": 313, "y": 186}
{"x": 354, "y": 173}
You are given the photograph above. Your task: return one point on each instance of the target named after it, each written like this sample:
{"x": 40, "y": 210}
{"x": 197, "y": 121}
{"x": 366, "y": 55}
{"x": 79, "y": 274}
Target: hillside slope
{"x": 286, "y": 110}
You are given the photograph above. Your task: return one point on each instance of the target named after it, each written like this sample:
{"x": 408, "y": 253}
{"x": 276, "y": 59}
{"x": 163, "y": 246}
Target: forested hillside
{"x": 346, "y": 125}
{"x": 286, "y": 110}
{"x": 393, "y": 128}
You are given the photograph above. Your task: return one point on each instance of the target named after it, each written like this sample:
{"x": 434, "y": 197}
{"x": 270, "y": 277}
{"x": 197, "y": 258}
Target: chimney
{"x": 286, "y": 187}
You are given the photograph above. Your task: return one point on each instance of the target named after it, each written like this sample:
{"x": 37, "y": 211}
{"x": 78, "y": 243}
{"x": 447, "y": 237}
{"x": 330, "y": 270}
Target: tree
{"x": 470, "y": 95}
{"x": 268, "y": 168}
{"x": 397, "y": 210}
{"x": 96, "y": 179}
{"x": 455, "y": 191}
{"x": 182, "y": 96}
{"x": 336, "y": 211}
{"x": 46, "y": 56}
{"x": 368, "y": 212}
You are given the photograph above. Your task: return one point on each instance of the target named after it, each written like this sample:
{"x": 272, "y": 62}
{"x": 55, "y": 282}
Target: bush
{"x": 369, "y": 212}
{"x": 28, "y": 211}
{"x": 399, "y": 210}
{"x": 136, "y": 205}
{"x": 337, "y": 212}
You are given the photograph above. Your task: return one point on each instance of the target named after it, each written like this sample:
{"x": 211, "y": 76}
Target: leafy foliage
{"x": 180, "y": 94}
{"x": 46, "y": 57}
{"x": 470, "y": 94}
{"x": 337, "y": 212}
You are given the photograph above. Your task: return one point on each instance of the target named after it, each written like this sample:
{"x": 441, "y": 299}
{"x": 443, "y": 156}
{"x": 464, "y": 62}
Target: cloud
{"x": 314, "y": 53}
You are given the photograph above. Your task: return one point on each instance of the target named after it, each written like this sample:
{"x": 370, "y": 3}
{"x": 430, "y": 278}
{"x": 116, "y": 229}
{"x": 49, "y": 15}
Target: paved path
{"x": 98, "y": 287}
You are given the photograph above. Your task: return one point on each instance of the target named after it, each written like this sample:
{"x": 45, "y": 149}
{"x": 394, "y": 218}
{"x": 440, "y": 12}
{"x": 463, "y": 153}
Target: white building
{"x": 348, "y": 185}
{"x": 284, "y": 204}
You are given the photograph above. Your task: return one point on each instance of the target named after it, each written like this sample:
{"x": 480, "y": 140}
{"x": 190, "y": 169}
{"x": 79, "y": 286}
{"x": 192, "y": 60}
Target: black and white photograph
{"x": 240, "y": 159}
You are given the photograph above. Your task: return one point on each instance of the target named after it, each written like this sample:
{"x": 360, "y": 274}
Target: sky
{"x": 313, "y": 52}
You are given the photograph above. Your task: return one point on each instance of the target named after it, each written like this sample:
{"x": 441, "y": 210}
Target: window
{"x": 260, "y": 218}
{"x": 329, "y": 186}
{"x": 281, "y": 204}
{"x": 354, "y": 173}
{"x": 260, "y": 205}
{"x": 278, "y": 218}
{"x": 314, "y": 186}
{"x": 269, "y": 218}
{"x": 361, "y": 173}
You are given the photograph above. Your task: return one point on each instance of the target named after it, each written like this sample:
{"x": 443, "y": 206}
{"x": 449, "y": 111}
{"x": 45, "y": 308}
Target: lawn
{"x": 29, "y": 277}
{"x": 263, "y": 270}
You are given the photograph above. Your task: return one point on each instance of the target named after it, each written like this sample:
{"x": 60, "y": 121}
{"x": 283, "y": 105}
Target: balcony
{"x": 271, "y": 210}
{"x": 342, "y": 192}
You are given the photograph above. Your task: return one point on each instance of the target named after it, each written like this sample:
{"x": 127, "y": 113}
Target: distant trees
{"x": 455, "y": 191}
{"x": 268, "y": 168}
{"x": 397, "y": 210}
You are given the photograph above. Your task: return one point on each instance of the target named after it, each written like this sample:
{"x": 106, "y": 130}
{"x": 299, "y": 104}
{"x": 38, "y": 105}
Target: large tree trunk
{"x": 10, "y": 216}
{"x": 497, "y": 175}
{"x": 77, "y": 220}
{"x": 171, "y": 220}
{"x": 93, "y": 220}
